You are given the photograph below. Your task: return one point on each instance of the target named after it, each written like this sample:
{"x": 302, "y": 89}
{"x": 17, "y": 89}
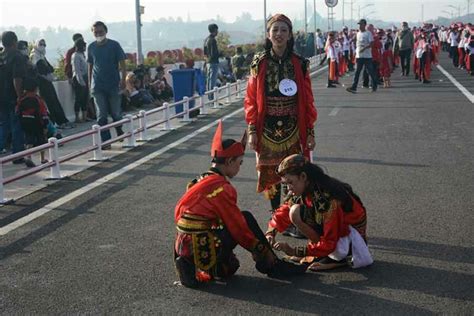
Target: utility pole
{"x": 343, "y": 3}
{"x": 422, "y": 13}
{"x": 264, "y": 19}
{"x": 305, "y": 16}
{"x": 352, "y": 14}
{"x": 314, "y": 16}
{"x": 139, "y": 10}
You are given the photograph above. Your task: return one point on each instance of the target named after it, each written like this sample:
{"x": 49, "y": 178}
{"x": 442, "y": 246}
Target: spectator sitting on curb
{"x": 160, "y": 88}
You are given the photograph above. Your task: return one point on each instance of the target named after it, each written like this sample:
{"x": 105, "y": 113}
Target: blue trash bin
{"x": 200, "y": 81}
{"x": 183, "y": 86}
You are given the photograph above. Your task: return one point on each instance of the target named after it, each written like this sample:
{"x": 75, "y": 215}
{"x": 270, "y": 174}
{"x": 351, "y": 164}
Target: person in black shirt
{"x": 12, "y": 71}
{"x": 212, "y": 52}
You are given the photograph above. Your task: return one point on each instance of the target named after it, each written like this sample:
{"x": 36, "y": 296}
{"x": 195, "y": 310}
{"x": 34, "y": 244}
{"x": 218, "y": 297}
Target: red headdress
{"x": 235, "y": 150}
{"x": 279, "y": 18}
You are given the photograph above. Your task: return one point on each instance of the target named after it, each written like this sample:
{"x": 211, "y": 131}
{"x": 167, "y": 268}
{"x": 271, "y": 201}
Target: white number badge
{"x": 288, "y": 87}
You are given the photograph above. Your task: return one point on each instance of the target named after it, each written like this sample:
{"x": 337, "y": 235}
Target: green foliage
{"x": 59, "y": 72}
{"x": 151, "y": 61}
{"x": 130, "y": 65}
{"x": 223, "y": 41}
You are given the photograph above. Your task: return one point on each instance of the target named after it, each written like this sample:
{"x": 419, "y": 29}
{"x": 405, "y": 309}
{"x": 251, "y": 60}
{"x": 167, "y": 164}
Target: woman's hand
{"x": 310, "y": 142}
{"x": 253, "y": 141}
{"x": 283, "y": 246}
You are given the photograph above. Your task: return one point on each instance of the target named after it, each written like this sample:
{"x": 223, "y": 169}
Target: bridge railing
{"x": 135, "y": 126}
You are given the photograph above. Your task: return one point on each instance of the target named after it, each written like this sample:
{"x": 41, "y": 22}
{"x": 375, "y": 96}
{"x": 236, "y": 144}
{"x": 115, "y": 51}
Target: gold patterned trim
{"x": 284, "y": 144}
{"x": 193, "y": 224}
{"x": 204, "y": 250}
{"x": 215, "y": 192}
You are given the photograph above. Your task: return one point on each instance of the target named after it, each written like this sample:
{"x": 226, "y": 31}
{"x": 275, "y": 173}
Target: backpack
{"x": 29, "y": 114}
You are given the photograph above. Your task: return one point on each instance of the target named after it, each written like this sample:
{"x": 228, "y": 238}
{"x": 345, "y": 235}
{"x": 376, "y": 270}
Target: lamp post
{"x": 364, "y": 7}
{"x": 264, "y": 18}
{"x": 458, "y": 8}
{"x": 450, "y": 14}
{"x": 306, "y": 16}
{"x": 139, "y": 10}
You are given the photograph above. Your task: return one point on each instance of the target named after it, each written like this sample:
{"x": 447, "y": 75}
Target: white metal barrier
{"x": 220, "y": 95}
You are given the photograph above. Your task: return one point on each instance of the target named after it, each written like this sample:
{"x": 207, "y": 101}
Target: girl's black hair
{"x": 320, "y": 180}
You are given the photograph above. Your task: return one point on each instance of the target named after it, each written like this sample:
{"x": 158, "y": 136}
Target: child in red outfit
{"x": 33, "y": 115}
{"x": 387, "y": 64}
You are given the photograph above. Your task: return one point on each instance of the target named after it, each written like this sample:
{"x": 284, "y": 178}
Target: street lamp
{"x": 139, "y": 10}
{"x": 450, "y": 14}
{"x": 366, "y": 16}
{"x": 364, "y": 7}
{"x": 458, "y": 8}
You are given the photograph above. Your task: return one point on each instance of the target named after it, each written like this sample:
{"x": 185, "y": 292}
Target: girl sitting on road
{"x": 326, "y": 211}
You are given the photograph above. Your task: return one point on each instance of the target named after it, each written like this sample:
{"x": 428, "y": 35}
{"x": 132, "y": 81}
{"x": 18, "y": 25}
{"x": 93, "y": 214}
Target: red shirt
{"x": 254, "y": 102}
{"x": 335, "y": 225}
{"x": 67, "y": 62}
{"x": 214, "y": 198}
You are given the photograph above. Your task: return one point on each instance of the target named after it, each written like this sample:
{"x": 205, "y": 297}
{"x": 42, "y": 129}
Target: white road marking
{"x": 53, "y": 205}
{"x": 461, "y": 88}
{"x": 334, "y": 111}
{"x": 67, "y": 198}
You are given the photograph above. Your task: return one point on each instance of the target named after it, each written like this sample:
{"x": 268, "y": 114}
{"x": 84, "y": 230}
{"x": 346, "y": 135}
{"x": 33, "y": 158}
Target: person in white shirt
{"x": 363, "y": 56}
{"x": 79, "y": 80}
{"x": 454, "y": 40}
{"x": 346, "y": 48}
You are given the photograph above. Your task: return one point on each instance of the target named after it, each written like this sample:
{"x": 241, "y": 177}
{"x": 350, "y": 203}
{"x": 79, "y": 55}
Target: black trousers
{"x": 405, "y": 58}
{"x": 81, "y": 95}
{"x": 227, "y": 263}
{"x": 454, "y": 55}
{"x": 48, "y": 93}
{"x": 375, "y": 68}
{"x": 350, "y": 65}
{"x": 368, "y": 64}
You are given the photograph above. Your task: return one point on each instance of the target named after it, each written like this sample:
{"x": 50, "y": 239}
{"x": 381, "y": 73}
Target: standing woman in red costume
{"x": 279, "y": 106}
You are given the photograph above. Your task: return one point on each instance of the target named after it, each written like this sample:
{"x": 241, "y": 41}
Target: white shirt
{"x": 363, "y": 40}
{"x": 453, "y": 36}
{"x": 345, "y": 43}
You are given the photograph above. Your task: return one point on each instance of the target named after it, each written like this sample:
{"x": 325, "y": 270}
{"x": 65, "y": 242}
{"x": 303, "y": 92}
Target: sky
{"x": 80, "y": 14}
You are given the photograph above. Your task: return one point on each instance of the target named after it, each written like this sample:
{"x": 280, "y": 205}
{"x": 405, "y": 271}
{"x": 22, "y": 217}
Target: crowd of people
{"x": 281, "y": 114}
{"x": 378, "y": 52}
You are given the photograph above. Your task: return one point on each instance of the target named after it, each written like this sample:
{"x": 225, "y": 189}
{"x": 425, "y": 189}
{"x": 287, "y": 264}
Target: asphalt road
{"x": 408, "y": 151}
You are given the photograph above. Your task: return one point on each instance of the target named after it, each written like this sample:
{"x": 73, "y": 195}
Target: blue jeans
{"x": 10, "y": 123}
{"x": 108, "y": 102}
{"x": 212, "y": 70}
{"x": 367, "y": 62}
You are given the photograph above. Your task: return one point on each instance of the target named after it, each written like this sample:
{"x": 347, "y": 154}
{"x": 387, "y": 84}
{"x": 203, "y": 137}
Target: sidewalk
{"x": 22, "y": 187}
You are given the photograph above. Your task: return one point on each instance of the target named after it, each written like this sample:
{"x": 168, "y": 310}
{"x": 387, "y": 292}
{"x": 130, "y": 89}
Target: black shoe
{"x": 19, "y": 161}
{"x": 29, "y": 163}
{"x": 426, "y": 81}
{"x": 284, "y": 269}
{"x": 374, "y": 89}
{"x": 331, "y": 86}
{"x": 351, "y": 90}
{"x": 186, "y": 272}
